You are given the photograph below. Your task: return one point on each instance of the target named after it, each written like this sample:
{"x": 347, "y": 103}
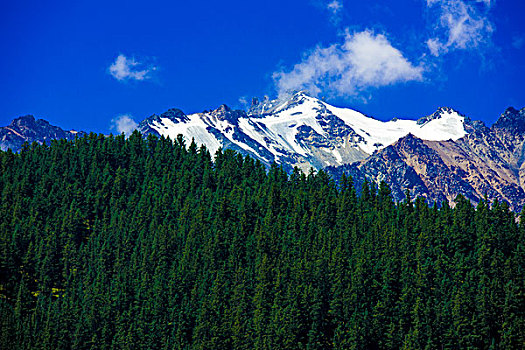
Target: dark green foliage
{"x": 107, "y": 242}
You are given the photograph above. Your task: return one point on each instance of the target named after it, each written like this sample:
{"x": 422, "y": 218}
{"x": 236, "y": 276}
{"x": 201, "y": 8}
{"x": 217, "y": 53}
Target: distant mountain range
{"x": 28, "y": 129}
{"x": 437, "y": 156}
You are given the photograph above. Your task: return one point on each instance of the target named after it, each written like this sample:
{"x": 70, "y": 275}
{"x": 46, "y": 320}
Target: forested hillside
{"x": 136, "y": 243}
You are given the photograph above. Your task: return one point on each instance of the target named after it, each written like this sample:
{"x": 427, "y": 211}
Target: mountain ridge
{"x": 29, "y": 129}
{"x": 487, "y": 162}
{"x": 437, "y": 156}
{"x": 302, "y": 131}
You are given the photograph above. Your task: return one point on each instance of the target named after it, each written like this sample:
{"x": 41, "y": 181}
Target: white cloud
{"x": 434, "y": 46}
{"x": 334, "y": 6}
{"x": 487, "y": 2}
{"x": 243, "y": 101}
{"x": 362, "y": 61}
{"x": 124, "y": 124}
{"x": 129, "y": 69}
{"x": 461, "y": 25}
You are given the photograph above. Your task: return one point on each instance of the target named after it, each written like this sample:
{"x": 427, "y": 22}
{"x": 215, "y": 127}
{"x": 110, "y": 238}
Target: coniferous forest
{"x": 108, "y": 242}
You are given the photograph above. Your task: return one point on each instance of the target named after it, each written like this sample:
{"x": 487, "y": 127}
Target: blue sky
{"x": 84, "y": 64}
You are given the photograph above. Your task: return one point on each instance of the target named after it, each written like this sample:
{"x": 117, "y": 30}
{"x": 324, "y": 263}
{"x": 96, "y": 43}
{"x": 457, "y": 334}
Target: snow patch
{"x": 194, "y": 128}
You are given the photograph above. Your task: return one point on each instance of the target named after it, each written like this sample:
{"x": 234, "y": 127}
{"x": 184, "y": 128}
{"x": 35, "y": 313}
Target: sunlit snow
{"x": 278, "y": 130}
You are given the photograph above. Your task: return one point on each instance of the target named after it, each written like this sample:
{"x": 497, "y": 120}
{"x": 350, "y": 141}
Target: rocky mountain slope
{"x": 486, "y": 162}
{"x": 301, "y": 131}
{"x": 28, "y": 129}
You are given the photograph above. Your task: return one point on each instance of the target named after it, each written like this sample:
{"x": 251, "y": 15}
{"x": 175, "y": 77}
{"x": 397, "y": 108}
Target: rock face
{"x": 485, "y": 162}
{"x": 28, "y": 129}
{"x": 300, "y": 131}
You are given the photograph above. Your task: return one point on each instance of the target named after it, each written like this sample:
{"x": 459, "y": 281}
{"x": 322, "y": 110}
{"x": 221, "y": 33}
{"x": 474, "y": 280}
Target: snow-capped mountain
{"x": 301, "y": 131}
{"x": 486, "y": 162}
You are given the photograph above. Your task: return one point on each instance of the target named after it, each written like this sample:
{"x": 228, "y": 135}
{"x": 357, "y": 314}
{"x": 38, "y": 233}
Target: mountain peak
{"x": 282, "y": 103}
{"x": 409, "y": 139}
{"x": 224, "y": 112}
{"x": 23, "y": 121}
{"x": 512, "y": 120}
{"x": 439, "y": 113}
{"x": 29, "y": 122}
{"x": 27, "y": 128}
{"x": 174, "y": 114}
{"x": 301, "y": 94}
{"x": 293, "y": 100}
{"x": 28, "y": 117}
{"x": 224, "y": 108}
{"x": 511, "y": 110}
{"x": 446, "y": 109}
